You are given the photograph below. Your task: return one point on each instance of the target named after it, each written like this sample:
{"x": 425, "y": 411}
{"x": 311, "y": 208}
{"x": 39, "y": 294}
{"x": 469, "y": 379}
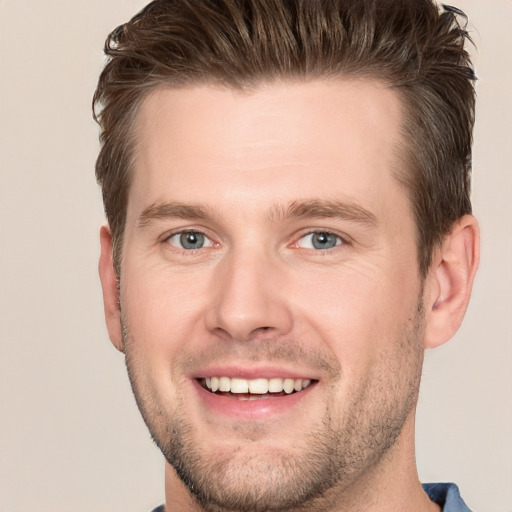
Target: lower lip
{"x": 251, "y": 409}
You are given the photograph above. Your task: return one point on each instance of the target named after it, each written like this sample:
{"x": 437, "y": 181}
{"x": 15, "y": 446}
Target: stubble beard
{"x": 336, "y": 453}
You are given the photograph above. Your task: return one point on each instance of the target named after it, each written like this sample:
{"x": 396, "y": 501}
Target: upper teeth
{"x": 256, "y": 386}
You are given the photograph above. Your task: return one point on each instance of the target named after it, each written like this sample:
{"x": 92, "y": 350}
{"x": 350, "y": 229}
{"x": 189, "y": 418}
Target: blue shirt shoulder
{"x": 447, "y": 495}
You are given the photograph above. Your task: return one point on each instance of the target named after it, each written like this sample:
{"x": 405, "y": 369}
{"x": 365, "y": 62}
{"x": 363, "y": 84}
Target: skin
{"x": 258, "y": 297}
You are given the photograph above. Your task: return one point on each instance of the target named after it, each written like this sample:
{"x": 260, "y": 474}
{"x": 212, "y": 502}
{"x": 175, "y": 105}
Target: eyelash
{"x": 189, "y": 251}
{"x": 340, "y": 240}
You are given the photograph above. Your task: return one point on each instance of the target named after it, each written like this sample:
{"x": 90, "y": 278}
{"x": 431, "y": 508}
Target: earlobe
{"x": 110, "y": 288}
{"x": 450, "y": 281}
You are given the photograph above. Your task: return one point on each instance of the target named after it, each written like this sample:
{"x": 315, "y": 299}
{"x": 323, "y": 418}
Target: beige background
{"x": 70, "y": 435}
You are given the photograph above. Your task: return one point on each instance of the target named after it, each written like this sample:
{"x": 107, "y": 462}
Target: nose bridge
{"x": 248, "y": 296}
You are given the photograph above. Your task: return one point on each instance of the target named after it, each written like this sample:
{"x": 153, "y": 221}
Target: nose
{"x": 249, "y": 298}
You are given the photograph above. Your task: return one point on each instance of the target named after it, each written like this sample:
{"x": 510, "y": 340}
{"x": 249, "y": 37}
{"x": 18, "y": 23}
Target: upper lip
{"x": 249, "y": 373}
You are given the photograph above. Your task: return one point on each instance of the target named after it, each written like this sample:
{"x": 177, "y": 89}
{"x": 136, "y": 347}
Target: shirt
{"x": 447, "y": 495}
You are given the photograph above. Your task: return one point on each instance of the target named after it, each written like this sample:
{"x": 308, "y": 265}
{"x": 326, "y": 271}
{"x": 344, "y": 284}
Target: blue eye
{"x": 320, "y": 240}
{"x": 189, "y": 240}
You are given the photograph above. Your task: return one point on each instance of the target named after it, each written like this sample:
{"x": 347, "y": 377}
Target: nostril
{"x": 259, "y": 330}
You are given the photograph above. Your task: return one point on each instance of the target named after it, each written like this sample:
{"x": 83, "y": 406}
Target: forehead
{"x": 280, "y": 142}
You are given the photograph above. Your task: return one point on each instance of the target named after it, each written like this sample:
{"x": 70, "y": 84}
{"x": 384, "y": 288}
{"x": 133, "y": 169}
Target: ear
{"x": 110, "y": 288}
{"x": 450, "y": 281}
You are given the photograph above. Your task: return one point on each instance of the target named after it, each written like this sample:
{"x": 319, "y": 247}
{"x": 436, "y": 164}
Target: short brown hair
{"x": 413, "y": 45}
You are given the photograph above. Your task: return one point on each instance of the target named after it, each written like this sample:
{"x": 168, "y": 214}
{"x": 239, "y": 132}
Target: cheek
{"x": 163, "y": 314}
{"x": 357, "y": 313}
{"x": 161, "y": 299}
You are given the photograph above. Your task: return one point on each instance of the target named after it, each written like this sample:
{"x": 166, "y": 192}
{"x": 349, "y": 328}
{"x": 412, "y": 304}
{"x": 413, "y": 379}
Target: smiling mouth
{"x": 254, "y": 389}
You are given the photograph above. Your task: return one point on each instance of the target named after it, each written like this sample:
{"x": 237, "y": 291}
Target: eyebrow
{"x": 319, "y": 208}
{"x": 172, "y": 210}
{"x": 315, "y": 208}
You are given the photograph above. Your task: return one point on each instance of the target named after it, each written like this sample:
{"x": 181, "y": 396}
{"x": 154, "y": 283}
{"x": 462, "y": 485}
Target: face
{"x": 269, "y": 290}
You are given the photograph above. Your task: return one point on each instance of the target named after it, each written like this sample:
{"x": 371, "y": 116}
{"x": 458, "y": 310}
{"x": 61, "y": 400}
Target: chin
{"x": 250, "y": 476}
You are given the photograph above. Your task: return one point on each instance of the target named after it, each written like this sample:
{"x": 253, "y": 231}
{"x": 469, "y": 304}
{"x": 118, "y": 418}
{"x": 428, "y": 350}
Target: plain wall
{"x": 70, "y": 435}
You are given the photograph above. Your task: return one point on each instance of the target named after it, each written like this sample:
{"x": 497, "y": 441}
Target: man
{"x": 286, "y": 184}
